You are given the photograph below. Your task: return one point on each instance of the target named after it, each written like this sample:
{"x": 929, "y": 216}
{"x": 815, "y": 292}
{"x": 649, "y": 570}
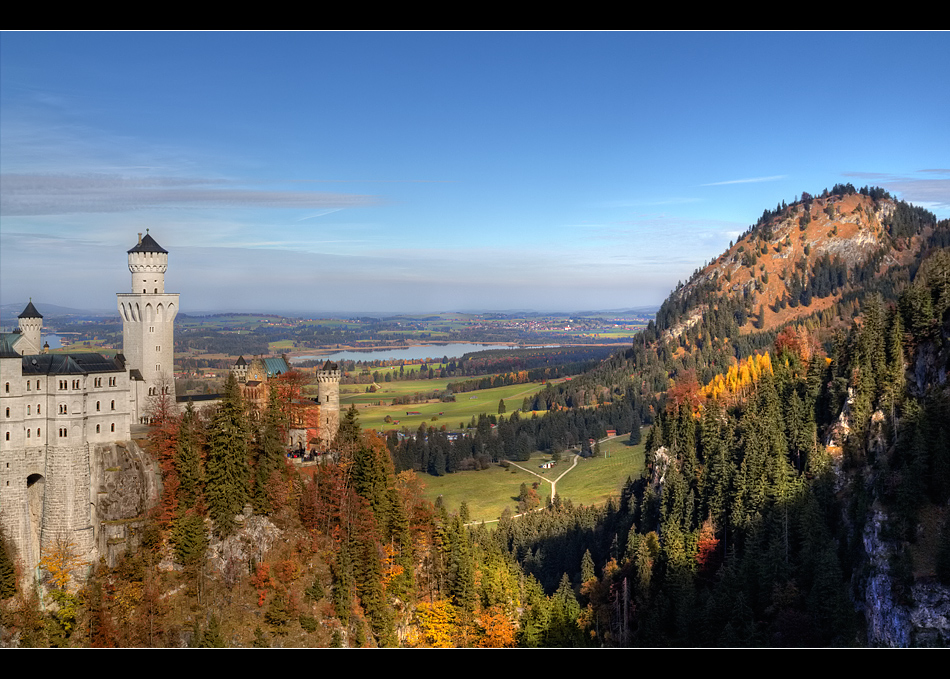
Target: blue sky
{"x": 439, "y": 171}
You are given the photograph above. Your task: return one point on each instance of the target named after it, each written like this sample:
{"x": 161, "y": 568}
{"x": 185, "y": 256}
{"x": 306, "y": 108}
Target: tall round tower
{"x": 148, "y": 327}
{"x": 328, "y": 394}
{"x": 31, "y": 330}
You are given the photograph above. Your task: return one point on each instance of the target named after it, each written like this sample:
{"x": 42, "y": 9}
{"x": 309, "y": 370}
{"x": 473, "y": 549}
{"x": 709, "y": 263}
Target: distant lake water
{"x": 411, "y": 354}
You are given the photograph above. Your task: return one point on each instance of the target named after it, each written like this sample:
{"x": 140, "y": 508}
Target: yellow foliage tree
{"x": 61, "y": 560}
{"x": 436, "y": 624}
{"x": 739, "y": 379}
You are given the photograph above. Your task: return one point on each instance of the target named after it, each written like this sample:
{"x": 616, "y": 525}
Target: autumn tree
{"x": 162, "y": 436}
{"x": 62, "y": 561}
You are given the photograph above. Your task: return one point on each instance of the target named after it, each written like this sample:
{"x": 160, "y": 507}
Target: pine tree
{"x": 270, "y": 453}
{"x": 228, "y": 472}
{"x": 211, "y": 638}
{"x": 348, "y": 434}
{"x": 188, "y": 460}
{"x": 587, "y": 567}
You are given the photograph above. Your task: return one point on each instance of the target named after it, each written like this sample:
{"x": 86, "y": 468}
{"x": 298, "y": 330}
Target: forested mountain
{"x": 800, "y": 455}
{"x": 796, "y": 494}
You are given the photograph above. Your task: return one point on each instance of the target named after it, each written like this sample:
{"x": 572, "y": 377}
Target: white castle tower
{"x": 328, "y": 395}
{"x": 148, "y": 327}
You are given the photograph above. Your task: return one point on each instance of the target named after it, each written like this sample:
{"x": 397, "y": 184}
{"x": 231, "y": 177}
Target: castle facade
{"x": 66, "y": 420}
{"x": 62, "y": 414}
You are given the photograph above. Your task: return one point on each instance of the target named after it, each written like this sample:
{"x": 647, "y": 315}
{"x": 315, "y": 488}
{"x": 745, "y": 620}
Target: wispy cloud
{"x": 750, "y": 180}
{"x": 50, "y": 194}
{"x": 932, "y": 193}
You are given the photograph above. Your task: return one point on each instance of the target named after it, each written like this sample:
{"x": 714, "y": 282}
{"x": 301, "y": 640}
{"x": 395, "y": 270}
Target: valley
{"x": 790, "y": 409}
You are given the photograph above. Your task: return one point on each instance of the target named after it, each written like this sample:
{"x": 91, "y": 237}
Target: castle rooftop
{"x": 30, "y": 312}
{"x": 148, "y": 244}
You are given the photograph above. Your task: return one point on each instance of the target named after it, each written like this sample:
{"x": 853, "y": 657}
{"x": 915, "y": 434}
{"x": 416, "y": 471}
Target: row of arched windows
{"x": 63, "y": 432}
{"x": 63, "y": 384}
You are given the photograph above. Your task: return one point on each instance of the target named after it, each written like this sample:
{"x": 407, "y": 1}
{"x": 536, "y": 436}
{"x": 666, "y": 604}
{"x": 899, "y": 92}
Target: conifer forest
{"x": 796, "y": 417}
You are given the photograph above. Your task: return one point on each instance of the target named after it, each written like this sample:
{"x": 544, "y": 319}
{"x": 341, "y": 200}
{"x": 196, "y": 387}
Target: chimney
{"x": 140, "y": 238}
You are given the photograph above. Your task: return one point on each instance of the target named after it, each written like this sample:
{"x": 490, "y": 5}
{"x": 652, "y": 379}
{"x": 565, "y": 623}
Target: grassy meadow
{"x": 489, "y": 491}
{"x": 461, "y": 410}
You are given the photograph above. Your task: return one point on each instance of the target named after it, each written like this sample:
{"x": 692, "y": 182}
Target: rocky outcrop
{"x": 254, "y": 538}
{"x": 888, "y": 622}
{"x": 127, "y": 484}
{"x": 923, "y": 622}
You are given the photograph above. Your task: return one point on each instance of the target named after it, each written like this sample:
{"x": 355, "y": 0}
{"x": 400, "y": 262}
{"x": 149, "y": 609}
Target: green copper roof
{"x": 276, "y": 366}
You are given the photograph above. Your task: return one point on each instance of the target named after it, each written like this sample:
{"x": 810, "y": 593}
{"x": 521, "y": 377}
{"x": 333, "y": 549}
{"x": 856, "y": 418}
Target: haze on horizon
{"x": 358, "y": 172}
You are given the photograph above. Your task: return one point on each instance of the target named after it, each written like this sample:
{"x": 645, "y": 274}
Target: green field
{"x": 461, "y": 410}
{"x": 489, "y": 491}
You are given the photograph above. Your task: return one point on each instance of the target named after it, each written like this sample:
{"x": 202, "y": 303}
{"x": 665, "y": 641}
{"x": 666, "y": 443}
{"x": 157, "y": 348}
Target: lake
{"x": 434, "y": 351}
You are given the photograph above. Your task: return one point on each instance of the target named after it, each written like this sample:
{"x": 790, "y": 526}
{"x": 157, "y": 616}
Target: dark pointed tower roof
{"x": 148, "y": 244}
{"x": 30, "y": 312}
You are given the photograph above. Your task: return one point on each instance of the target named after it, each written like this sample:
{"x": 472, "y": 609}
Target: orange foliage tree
{"x": 497, "y": 630}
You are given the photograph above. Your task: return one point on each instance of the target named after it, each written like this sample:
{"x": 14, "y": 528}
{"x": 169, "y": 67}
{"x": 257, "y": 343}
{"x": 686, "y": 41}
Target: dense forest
{"x": 796, "y": 455}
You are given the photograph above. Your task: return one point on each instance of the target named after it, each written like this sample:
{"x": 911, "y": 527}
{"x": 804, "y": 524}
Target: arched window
{"x": 38, "y": 411}
{"x": 28, "y": 410}
{"x": 8, "y": 436}
{"x": 113, "y": 426}
{"x": 97, "y": 428}
{"x": 28, "y": 433}
{"x": 97, "y": 406}
{"x": 8, "y": 412}
{"x": 113, "y": 405}
{"x": 6, "y": 387}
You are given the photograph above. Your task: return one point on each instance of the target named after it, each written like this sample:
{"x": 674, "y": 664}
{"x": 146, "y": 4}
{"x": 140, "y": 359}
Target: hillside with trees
{"x": 796, "y": 494}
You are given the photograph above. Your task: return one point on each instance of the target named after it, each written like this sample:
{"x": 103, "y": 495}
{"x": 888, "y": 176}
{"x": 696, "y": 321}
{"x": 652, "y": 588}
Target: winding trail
{"x": 553, "y": 482}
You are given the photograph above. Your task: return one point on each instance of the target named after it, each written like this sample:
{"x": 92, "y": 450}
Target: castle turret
{"x": 148, "y": 327}
{"x": 31, "y": 330}
{"x": 328, "y": 394}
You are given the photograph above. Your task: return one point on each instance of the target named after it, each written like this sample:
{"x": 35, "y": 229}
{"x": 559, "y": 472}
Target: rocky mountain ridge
{"x": 797, "y": 260}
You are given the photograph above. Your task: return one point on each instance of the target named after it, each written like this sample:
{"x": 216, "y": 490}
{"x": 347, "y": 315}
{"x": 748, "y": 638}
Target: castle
{"x": 314, "y": 423}
{"x": 66, "y": 418}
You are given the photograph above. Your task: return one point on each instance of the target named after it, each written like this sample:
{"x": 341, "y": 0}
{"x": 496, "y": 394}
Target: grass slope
{"x": 490, "y": 491}
{"x": 461, "y": 410}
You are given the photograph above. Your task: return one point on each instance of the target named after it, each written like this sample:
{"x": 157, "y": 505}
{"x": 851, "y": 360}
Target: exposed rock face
{"x": 841, "y": 429}
{"x": 660, "y": 465}
{"x": 925, "y": 622}
{"x": 128, "y": 484}
{"x": 888, "y": 622}
{"x": 256, "y": 536}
